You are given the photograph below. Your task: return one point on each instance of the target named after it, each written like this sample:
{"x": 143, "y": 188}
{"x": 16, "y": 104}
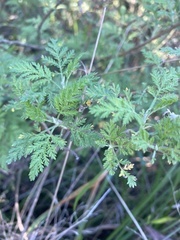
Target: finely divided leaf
{"x": 40, "y": 147}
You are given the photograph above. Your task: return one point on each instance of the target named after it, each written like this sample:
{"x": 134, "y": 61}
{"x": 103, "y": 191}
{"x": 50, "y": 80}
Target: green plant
{"x": 131, "y": 128}
{"x": 47, "y": 96}
{"x": 53, "y": 96}
{"x": 68, "y": 191}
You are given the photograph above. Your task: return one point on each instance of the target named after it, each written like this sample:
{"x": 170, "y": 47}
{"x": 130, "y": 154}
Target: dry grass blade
{"x": 42, "y": 178}
{"x": 84, "y": 217}
{"x": 57, "y": 187}
{"x": 97, "y": 40}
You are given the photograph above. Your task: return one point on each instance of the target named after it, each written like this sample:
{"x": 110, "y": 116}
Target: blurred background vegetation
{"x": 129, "y": 27}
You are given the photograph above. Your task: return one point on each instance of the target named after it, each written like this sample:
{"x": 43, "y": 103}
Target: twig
{"x": 42, "y": 178}
{"x": 93, "y": 230}
{"x": 138, "y": 67}
{"x": 134, "y": 49}
{"x": 57, "y": 187}
{"x": 4, "y": 172}
{"x": 163, "y": 32}
{"x": 3, "y": 227}
{"x": 111, "y": 62}
{"x": 127, "y": 209}
{"x": 124, "y": 205}
{"x": 85, "y": 216}
{"x": 21, "y": 44}
{"x": 73, "y": 195}
{"x": 176, "y": 230}
{"x": 97, "y": 40}
{"x": 176, "y": 205}
{"x": 81, "y": 173}
{"x": 44, "y": 19}
{"x": 19, "y": 220}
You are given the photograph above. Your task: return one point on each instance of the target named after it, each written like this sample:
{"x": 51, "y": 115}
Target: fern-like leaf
{"x": 61, "y": 58}
{"x": 110, "y": 161}
{"x": 117, "y": 108}
{"x": 165, "y": 80}
{"x": 171, "y": 51}
{"x": 69, "y": 98}
{"x": 84, "y": 136}
{"x": 32, "y": 73}
{"x": 40, "y": 147}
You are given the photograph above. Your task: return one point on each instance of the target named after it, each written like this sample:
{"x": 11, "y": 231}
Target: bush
{"x": 53, "y": 107}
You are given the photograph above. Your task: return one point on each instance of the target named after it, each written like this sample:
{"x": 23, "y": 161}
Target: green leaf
{"x": 165, "y": 80}
{"x": 151, "y": 57}
{"x": 163, "y": 220}
{"x": 40, "y": 147}
{"x": 131, "y": 181}
{"x": 110, "y": 161}
{"x": 165, "y": 101}
{"x": 34, "y": 113}
{"x": 68, "y": 100}
{"x": 171, "y": 51}
{"x": 84, "y": 136}
{"x": 142, "y": 140}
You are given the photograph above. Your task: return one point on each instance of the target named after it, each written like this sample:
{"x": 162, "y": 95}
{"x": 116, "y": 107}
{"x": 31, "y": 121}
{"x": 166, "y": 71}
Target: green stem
{"x": 149, "y": 112}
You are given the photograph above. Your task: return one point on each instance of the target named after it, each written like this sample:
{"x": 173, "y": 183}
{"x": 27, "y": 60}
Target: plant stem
{"x": 57, "y": 187}
{"x": 97, "y": 40}
{"x": 126, "y": 208}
